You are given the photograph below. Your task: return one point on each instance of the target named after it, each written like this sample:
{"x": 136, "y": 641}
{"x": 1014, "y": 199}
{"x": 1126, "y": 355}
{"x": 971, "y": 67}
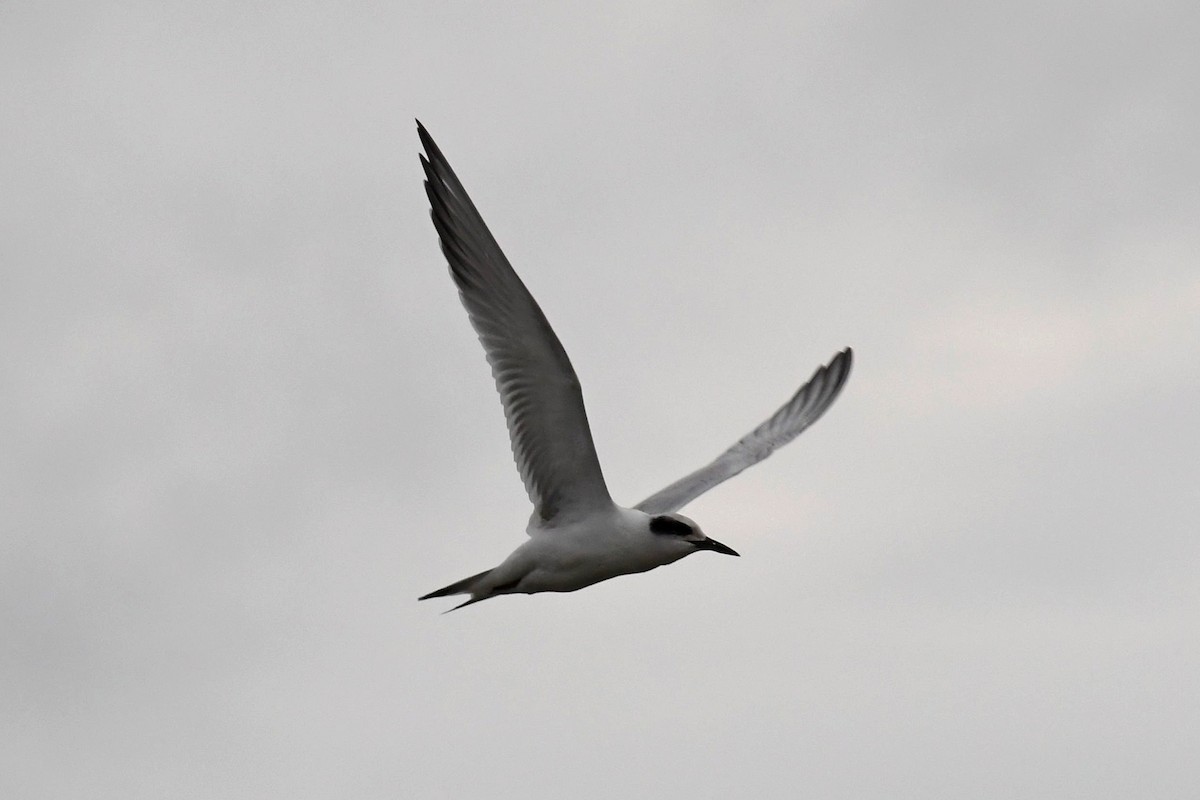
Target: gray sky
{"x": 247, "y": 422}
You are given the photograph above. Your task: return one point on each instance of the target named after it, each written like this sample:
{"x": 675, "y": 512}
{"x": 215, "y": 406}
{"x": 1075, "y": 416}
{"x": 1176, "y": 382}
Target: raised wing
{"x": 805, "y": 408}
{"x": 543, "y": 404}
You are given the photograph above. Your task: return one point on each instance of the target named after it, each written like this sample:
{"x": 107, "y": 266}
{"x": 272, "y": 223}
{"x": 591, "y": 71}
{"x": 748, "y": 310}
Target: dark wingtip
{"x": 431, "y": 148}
{"x": 840, "y": 365}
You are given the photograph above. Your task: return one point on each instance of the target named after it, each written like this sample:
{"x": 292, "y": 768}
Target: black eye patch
{"x": 670, "y": 525}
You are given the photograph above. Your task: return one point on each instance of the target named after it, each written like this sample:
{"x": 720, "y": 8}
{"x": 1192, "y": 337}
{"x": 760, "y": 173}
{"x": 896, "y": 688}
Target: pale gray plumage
{"x": 577, "y": 534}
{"x": 543, "y": 404}
{"x": 806, "y": 407}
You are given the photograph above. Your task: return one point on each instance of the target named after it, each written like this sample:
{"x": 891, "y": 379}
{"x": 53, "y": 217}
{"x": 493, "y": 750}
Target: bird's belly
{"x": 574, "y": 565}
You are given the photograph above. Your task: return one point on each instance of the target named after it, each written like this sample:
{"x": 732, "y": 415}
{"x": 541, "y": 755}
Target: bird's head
{"x": 677, "y": 528}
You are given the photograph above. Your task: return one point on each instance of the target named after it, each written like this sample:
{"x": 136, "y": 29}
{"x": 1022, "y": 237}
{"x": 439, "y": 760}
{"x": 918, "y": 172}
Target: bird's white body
{"x": 578, "y": 553}
{"x": 577, "y": 535}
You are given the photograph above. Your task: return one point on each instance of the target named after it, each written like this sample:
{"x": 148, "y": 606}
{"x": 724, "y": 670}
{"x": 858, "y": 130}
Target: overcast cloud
{"x": 246, "y": 422}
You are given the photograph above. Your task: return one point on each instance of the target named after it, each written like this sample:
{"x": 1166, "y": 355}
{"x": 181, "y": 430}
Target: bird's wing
{"x": 805, "y": 407}
{"x": 543, "y": 404}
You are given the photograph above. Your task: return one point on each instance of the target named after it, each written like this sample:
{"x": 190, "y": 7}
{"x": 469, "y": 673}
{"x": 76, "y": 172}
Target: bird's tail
{"x": 465, "y": 586}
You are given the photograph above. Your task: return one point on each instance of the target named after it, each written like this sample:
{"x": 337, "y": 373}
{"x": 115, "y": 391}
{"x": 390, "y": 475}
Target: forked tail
{"x": 465, "y": 586}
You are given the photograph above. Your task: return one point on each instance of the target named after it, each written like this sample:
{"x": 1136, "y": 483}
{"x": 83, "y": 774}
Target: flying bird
{"x": 577, "y": 534}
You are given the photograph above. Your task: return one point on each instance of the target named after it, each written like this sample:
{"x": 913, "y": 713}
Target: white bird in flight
{"x": 577, "y": 534}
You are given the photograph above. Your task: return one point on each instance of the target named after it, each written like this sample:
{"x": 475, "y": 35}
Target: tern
{"x": 577, "y": 535}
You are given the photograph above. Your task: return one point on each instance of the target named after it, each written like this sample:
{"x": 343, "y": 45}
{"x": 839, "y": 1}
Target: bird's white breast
{"x": 570, "y": 556}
